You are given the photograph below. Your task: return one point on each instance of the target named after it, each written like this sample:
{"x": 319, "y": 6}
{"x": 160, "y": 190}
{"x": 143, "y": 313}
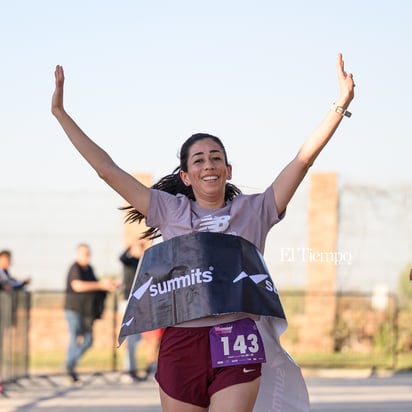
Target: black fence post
{"x": 14, "y": 335}
{"x": 114, "y": 346}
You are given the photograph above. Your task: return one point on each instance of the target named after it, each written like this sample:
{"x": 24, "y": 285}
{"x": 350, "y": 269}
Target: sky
{"x": 142, "y": 76}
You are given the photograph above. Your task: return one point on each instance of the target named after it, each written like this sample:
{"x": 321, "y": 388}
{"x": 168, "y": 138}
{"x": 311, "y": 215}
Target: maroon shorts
{"x": 185, "y": 369}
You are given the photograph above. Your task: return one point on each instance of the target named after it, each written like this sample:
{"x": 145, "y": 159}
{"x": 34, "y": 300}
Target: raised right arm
{"x": 134, "y": 192}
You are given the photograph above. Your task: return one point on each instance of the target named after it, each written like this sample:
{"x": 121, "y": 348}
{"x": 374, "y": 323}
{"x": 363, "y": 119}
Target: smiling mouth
{"x": 209, "y": 178}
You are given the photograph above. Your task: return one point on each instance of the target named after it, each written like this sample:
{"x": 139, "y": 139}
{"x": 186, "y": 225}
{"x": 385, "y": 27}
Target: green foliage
{"x": 383, "y": 339}
{"x": 405, "y": 288}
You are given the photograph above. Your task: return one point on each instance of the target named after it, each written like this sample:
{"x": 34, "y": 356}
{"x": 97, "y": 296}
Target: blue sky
{"x": 142, "y": 76}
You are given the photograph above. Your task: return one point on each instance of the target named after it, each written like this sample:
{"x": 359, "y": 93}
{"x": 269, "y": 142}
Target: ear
{"x": 185, "y": 178}
{"x": 229, "y": 172}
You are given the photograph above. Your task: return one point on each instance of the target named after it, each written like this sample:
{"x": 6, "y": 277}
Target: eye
{"x": 217, "y": 158}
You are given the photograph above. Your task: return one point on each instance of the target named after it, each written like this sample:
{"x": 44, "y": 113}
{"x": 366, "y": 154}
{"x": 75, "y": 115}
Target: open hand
{"x": 57, "y": 99}
{"x": 346, "y": 82}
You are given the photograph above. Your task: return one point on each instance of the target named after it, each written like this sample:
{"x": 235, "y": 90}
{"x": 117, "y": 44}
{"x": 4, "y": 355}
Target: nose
{"x": 209, "y": 164}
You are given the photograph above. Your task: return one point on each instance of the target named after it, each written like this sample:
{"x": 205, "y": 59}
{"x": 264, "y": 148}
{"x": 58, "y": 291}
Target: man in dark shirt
{"x": 84, "y": 303}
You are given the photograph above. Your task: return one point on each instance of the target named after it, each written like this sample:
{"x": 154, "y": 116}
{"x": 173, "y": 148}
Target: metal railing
{"x": 378, "y": 334}
{"x": 14, "y": 335}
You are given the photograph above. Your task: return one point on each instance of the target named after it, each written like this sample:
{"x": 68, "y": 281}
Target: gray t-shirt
{"x": 248, "y": 216}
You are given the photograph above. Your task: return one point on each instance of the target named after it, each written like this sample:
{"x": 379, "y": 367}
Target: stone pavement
{"x": 332, "y": 392}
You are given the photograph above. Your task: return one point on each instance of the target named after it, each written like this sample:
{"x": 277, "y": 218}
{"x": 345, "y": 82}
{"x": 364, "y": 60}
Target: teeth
{"x": 210, "y": 178}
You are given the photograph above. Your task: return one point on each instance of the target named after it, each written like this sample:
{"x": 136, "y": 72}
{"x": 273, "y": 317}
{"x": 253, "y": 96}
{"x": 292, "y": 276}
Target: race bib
{"x": 236, "y": 343}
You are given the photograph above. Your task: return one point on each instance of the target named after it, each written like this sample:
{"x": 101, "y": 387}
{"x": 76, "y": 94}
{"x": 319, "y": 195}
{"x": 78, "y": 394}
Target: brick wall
{"x": 320, "y": 301}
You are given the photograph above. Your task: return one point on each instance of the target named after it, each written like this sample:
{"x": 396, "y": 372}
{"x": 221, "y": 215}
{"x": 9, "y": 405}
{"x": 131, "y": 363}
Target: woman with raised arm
{"x": 194, "y": 373}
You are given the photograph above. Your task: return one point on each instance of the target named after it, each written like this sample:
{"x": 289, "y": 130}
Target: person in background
{"x": 84, "y": 303}
{"x": 152, "y": 339}
{"x": 7, "y": 282}
{"x": 130, "y": 260}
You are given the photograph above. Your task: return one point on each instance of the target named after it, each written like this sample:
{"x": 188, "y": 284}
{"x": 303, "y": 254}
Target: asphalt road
{"x": 104, "y": 393}
{"x": 345, "y": 394}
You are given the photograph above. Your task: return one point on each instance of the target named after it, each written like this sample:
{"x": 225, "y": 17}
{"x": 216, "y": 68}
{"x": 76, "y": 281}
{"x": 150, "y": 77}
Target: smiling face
{"x": 207, "y": 172}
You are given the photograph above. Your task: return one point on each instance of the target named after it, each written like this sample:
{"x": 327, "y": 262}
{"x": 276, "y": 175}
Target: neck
{"x": 211, "y": 204}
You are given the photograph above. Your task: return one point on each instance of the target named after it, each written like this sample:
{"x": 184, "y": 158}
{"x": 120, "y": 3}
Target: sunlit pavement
{"x": 101, "y": 392}
{"x": 364, "y": 394}
{"x": 330, "y": 392}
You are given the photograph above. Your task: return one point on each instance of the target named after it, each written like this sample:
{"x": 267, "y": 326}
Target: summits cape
{"x": 203, "y": 274}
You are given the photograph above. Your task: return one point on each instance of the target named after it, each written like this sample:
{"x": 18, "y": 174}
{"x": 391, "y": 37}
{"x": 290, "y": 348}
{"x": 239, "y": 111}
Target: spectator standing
{"x": 7, "y": 282}
{"x": 84, "y": 303}
{"x": 8, "y": 312}
{"x": 130, "y": 260}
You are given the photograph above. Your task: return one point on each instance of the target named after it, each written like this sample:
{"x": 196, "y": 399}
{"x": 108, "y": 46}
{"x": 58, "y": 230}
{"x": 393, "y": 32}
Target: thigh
{"x": 230, "y": 376}
{"x": 183, "y": 365}
{"x": 73, "y": 322}
{"x": 236, "y": 398}
{"x": 170, "y": 404}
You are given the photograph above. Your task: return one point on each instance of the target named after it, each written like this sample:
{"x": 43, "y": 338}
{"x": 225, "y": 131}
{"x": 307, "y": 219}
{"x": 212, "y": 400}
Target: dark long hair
{"x": 173, "y": 184}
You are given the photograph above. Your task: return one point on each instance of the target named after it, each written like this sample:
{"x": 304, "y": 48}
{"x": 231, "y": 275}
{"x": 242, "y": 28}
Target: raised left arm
{"x": 292, "y": 175}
